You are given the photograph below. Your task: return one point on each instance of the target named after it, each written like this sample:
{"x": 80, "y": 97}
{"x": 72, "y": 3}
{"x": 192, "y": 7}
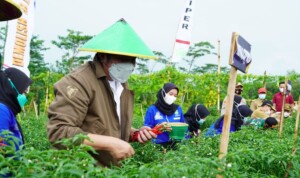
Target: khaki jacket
{"x": 223, "y": 107}
{"x": 84, "y": 103}
{"x": 256, "y": 104}
{"x": 259, "y": 114}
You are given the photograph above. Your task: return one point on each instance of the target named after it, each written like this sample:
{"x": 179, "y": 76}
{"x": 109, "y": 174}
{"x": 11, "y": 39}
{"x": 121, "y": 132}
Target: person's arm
{"x": 181, "y": 114}
{"x": 68, "y": 109}
{"x": 4, "y": 125}
{"x": 292, "y": 102}
{"x": 4, "y": 121}
{"x": 144, "y": 133}
{"x": 274, "y": 101}
{"x": 253, "y": 105}
{"x": 223, "y": 107}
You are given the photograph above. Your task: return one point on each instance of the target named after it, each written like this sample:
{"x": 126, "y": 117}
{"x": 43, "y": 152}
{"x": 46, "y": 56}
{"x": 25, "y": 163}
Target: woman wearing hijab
{"x": 164, "y": 111}
{"x": 239, "y": 112}
{"x": 13, "y": 87}
{"x": 195, "y": 117}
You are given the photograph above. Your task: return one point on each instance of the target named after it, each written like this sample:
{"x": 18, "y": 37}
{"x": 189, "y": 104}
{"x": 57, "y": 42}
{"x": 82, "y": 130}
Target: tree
{"x": 196, "y": 51}
{"x": 143, "y": 65}
{"x": 37, "y": 64}
{"x": 70, "y": 45}
{"x": 210, "y": 68}
{"x": 3, "y": 31}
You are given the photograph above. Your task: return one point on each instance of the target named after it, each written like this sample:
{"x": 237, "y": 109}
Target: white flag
{"x": 183, "y": 37}
{"x": 19, "y": 33}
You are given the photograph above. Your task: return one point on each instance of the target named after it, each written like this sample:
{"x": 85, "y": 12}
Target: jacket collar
{"x": 99, "y": 69}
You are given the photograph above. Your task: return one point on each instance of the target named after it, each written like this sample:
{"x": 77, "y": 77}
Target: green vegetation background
{"x": 251, "y": 153}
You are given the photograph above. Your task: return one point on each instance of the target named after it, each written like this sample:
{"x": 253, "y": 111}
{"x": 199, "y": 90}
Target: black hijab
{"x": 191, "y": 116}
{"x": 238, "y": 114}
{"x": 8, "y": 95}
{"x": 160, "y": 103}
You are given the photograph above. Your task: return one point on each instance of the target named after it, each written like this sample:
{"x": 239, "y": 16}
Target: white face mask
{"x": 268, "y": 112}
{"x": 262, "y": 96}
{"x": 281, "y": 89}
{"x": 169, "y": 99}
{"x": 286, "y": 114}
{"x": 121, "y": 71}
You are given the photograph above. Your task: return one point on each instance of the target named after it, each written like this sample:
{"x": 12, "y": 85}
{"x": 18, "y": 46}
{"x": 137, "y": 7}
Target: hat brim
{"x": 9, "y": 10}
{"x": 272, "y": 107}
{"x": 120, "y": 39}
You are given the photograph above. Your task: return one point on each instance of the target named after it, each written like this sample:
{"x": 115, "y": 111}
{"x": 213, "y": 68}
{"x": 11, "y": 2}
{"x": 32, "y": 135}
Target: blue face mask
{"x": 201, "y": 121}
{"x": 22, "y": 99}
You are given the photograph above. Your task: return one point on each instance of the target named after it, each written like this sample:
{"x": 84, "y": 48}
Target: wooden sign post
{"x": 265, "y": 79}
{"x": 296, "y": 125}
{"x": 282, "y": 110}
{"x": 239, "y": 59}
{"x": 219, "y": 71}
{"x": 295, "y": 140}
{"x": 229, "y": 102}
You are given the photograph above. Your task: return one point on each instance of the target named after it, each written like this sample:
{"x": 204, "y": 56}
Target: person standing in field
{"x": 95, "y": 100}
{"x": 278, "y": 97}
{"x": 262, "y": 92}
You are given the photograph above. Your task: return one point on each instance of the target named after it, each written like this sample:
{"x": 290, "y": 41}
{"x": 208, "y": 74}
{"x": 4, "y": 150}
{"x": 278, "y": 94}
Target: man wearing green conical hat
{"x": 9, "y": 10}
{"x": 95, "y": 100}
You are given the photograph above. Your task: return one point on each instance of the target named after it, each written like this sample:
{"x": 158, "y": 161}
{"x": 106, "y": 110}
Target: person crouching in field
{"x": 263, "y": 117}
{"x": 195, "y": 117}
{"x": 13, "y": 89}
{"x": 164, "y": 111}
{"x": 239, "y": 112}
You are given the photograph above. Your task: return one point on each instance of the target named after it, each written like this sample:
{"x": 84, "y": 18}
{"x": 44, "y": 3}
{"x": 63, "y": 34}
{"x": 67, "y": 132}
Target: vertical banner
{"x": 183, "y": 37}
{"x": 19, "y": 33}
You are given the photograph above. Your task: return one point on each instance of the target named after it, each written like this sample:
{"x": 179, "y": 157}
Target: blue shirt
{"x": 154, "y": 117}
{"x": 215, "y": 131}
{"x": 8, "y": 122}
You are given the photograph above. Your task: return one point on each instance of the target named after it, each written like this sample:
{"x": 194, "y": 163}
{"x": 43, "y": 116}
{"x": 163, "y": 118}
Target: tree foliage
{"x": 70, "y": 44}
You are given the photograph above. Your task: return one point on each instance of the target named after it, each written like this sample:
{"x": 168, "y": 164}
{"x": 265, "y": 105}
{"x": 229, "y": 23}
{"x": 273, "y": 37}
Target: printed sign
{"x": 242, "y": 58}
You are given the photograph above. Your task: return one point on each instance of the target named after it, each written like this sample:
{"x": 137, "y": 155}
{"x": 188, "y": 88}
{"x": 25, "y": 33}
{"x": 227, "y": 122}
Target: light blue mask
{"x": 22, "y": 99}
{"x": 121, "y": 71}
{"x": 201, "y": 121}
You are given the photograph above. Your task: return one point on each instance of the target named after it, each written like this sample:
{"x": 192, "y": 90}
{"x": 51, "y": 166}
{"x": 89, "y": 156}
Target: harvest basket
{"x": 178, "y": 130}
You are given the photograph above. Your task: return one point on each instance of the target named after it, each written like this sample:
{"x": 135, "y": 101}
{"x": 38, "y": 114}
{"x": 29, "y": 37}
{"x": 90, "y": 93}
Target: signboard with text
{"x": 241, "y": 58}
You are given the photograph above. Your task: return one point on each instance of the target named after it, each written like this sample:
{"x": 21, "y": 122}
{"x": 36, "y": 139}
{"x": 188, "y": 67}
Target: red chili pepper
{"x": 158, "y": 129}
{"x": 135, "y": 136}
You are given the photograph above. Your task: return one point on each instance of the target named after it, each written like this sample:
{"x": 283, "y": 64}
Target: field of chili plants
{"x": 251, "y": 153}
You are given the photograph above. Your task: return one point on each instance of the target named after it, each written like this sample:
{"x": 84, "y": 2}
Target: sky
{"x": 272, "y": 27}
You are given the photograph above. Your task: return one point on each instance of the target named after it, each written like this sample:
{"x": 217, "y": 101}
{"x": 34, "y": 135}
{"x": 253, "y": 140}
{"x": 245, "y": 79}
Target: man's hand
{"x": 118, "y": 148}
{"x": 146, "y": 134}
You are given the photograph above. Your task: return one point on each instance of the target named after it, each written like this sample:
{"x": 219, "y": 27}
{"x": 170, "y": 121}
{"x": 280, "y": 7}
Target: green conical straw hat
{"x": 119, "y": 39}
{"x": 9, "y": 10}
